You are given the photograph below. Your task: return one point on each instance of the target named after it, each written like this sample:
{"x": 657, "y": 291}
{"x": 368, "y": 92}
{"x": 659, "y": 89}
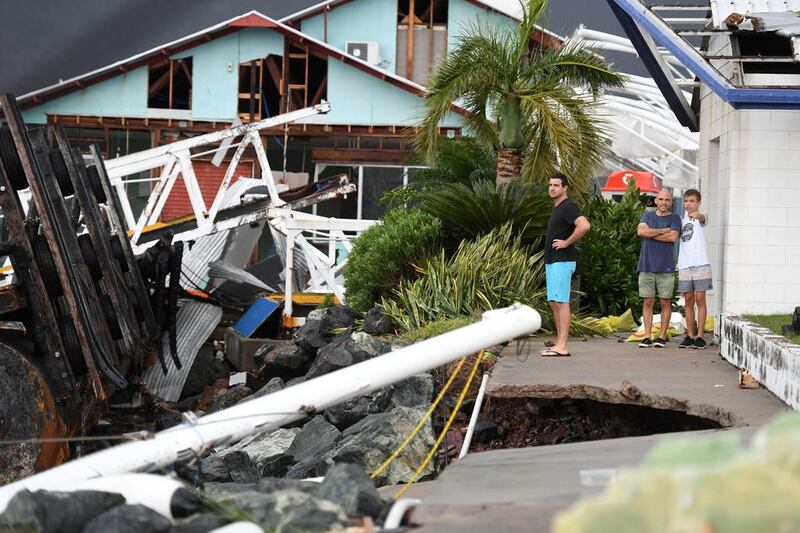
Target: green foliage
{"x": 461, "y": 161}
{"x": 386, "y": 252}
{"x": 469, "y": 211}
{"x": 775, "y": 323}
{"x": 540, "y": 100}
{"x": 609, "y": 254}
{"x": 439, "y": 327}
{"x": 492, "y": 272}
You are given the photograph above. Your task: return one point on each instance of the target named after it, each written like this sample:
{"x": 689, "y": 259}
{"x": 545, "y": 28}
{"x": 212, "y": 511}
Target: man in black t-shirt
{"x": 565, "y": 228}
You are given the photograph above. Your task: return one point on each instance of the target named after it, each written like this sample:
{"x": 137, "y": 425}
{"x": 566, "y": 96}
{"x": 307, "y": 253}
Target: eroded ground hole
{"x": 523, "y": 422}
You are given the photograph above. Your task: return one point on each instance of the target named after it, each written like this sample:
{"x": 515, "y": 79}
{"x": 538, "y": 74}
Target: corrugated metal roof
{"x": 196, "y": 321}
{"x": 722, "y": 9}
{"x": 212, "y": 247}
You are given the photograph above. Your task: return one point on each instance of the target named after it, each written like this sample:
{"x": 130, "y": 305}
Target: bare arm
{"x": 672, "y": 236}
{"x": 643, "y": 230}
{"x": 582, "y": 226}
{"x": 700, "y": 217}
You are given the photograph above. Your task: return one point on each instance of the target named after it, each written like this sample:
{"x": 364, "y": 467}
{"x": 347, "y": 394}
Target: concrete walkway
{"x": 698, "y": 382}
{"x": 524, "y": 489}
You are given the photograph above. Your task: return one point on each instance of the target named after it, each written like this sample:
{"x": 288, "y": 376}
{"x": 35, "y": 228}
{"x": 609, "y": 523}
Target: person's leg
{"x": 702, "y": 311}
{"x": 665, "y": 284}
{"x": 563, "y": 316}
{"x": 647, "y": 290}
{"x": 647, "y": 315}
{"x": 666, "y": 313}
{"x": 689, "y": 300}
{"x": 561, "y": 285}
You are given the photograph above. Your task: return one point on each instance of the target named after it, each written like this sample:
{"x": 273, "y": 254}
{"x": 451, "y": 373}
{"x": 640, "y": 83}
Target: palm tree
{"x": 529, "y": 102}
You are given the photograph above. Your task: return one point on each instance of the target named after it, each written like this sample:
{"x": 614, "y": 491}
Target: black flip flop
{"x": 553, "y": 353}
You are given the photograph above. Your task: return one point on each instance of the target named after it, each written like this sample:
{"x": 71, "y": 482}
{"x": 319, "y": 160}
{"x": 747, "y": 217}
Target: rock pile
{"x": 264, "y": 478}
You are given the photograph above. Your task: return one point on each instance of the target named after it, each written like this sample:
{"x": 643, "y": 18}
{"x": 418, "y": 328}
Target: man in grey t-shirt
{"x": 659, "y": 230}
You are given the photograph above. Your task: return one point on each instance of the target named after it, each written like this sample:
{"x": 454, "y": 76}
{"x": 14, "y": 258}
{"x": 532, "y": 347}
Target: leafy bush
{"x": 457, "y": 161}
{"x": 469, "y": 211}
{"x": 609, "y": 254}
{"x": 492, "y": 272}
{"x": 440, "y": 327}
{"x": 386, "y": 252}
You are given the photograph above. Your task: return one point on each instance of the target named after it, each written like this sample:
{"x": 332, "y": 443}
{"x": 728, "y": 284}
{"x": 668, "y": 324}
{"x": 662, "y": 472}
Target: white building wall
{"x": 750, "y": 180}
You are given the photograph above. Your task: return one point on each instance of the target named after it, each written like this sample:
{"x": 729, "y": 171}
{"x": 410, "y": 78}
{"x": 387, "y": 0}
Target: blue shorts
{"x": 559, "y": 280}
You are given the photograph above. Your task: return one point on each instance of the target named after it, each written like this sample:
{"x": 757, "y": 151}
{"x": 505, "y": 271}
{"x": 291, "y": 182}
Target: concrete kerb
{"x": 773, "y": 360}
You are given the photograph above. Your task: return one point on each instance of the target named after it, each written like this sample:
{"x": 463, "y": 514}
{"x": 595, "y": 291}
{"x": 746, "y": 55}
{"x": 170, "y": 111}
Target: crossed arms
{"x": 659, "y": 234}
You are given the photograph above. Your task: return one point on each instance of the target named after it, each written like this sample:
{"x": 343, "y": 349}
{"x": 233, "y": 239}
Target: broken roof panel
{"x": 721, "y": 10}
{"x": 643, "y": 25}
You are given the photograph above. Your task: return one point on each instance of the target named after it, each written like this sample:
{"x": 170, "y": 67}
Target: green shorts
{"x": 661, "y": 284}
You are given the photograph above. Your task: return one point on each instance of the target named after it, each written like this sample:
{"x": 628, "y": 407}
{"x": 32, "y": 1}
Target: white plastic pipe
{"x": 395, "y": 517}
{"x": 239, "y": 527}
{"x": 476, "y": 409}
{"x": 150, "y": 490}
{"x": 184, "y": 441}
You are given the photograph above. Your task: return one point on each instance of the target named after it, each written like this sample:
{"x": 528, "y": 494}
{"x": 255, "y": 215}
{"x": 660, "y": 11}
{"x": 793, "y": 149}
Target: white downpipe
{"x": 150, "y": 490}
{"x": 395, "y": 517}
{"x": 258, "y": 415}
{"x": 239, "y": 527}
{"x": 476, "y": 409}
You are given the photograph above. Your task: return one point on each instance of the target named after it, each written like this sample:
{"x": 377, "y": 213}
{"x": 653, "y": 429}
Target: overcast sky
{"x": 42, "y": 41}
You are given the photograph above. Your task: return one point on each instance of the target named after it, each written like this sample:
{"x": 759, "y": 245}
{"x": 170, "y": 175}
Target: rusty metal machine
{"x": 79, "y": 314}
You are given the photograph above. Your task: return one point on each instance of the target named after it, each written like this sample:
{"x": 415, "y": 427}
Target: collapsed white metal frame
{"x": 298, "y": 228}
{"x": 174, "y": 161}
{"x": 640, "y": 99}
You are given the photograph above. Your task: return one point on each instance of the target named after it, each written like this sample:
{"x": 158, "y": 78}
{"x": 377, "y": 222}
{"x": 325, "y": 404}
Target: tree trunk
{"x": 509, "y": 165}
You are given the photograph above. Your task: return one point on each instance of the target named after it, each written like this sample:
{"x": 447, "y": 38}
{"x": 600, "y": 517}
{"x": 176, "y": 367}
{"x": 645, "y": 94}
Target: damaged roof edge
{"x": 328, "y": 5}
{"x": 251, "y": 18}
{"x": 738, "y": 97}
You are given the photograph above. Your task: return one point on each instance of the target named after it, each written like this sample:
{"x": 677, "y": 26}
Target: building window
{"x": 170, "y": 85}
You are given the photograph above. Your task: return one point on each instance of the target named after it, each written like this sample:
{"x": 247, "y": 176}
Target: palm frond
{"x": 474, "y": 71}
{"x": 470, "y": 211}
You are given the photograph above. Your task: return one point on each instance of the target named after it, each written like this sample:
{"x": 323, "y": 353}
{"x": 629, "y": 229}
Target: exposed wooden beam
{"x": 322, "y": 87}
{"x": 410, "y": 41}
{"x": 274, "y": 71}
{"x": 159, "y": 84}
{"x": 351, "y": 155}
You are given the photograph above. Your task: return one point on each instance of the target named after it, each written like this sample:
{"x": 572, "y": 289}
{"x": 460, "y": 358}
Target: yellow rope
{"x": 442, "y": 435}
{"x": 421, "y": 423}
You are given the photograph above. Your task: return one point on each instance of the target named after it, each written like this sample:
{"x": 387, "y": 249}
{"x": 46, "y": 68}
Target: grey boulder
{"x": 128, "y": 519}
{"x": 376, "y": 322}
{"x": 371, "y": 441}
{"x": 44, "y": 512}
{"x": 349, "y": 486}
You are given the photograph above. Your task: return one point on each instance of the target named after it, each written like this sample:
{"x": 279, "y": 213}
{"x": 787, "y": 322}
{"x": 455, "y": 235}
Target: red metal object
{"x": 647, "y": 182}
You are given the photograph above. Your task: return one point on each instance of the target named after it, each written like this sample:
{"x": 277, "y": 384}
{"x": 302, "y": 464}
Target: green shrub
{"x": 440, "y": 327}
{"x": 457, "y": 161}
{"x": 609, "y": 254}
{"x": 494, "y": 271}
{"x": 469, "y": 211}
{"x": 384, "y": 253}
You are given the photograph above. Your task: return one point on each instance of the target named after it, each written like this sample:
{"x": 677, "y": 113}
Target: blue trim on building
{"x": 661, "y": 78}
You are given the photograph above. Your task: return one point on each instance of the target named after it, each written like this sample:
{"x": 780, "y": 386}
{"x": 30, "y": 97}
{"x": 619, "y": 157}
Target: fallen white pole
{"x": 184, "y": 441}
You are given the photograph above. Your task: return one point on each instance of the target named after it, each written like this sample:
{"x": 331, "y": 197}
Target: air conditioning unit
{"x": 365, "y": 50}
